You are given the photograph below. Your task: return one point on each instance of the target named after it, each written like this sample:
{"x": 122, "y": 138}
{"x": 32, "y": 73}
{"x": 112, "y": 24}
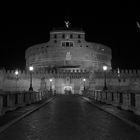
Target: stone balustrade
{"x": 12, "y": 100}
{"x": 127, "y": 100}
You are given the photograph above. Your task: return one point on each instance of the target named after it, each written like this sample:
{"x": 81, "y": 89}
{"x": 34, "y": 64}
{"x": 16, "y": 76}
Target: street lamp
{"x": 50, "y": 84}
{"x": 105, "y": 69}
{"x": 16, "y": 73}
{"x": 118, "y": 72}
{"x": 84, "y": 80}
{"x": 31, "y": 68}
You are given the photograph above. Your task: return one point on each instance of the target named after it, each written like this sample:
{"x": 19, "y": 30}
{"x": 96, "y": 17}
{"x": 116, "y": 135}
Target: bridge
{"x": 48, "y": 115}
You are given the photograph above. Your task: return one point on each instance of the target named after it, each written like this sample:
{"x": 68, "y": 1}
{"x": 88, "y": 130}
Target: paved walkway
{"x": 12, "y": 117}
{"x": 70, "y": 118}
{"x": 127, "y": 116}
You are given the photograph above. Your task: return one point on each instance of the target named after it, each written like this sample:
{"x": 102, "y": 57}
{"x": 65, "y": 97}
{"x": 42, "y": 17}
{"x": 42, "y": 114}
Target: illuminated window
{"x": 67, "y": 44}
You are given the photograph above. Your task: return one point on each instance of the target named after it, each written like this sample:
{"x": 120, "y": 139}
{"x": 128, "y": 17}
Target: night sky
{"x": 112, "y": 24}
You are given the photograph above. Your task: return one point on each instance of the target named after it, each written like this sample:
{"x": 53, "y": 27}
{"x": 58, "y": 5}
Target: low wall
{"x": 12, "y": 100}
{"x": 127, "y": 100}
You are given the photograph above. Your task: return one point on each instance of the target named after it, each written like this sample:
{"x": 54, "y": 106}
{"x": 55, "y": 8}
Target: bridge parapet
{"x": 126, "y": 99}
{"x": 13, "y": 100}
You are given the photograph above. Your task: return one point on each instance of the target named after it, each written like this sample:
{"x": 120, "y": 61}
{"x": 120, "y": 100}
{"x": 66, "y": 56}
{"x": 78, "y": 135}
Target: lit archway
{"x": 68, "y": 89}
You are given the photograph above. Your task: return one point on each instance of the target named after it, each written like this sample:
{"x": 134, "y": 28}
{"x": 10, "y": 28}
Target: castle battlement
{"x": 39, "y": 74}
{"x": 124, "y": 73}
{"x": 68, "y": 62}
{"x": 97, "y": 74}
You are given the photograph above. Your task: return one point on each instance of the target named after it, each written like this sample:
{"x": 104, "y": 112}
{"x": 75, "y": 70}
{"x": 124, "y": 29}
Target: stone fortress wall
{"x": 126, "y": 80}
{"x": 68, "y": 48}
{"x": 66, "y": 61}
{"x": 123, "y": 89}
{"x": 67, "y": 58}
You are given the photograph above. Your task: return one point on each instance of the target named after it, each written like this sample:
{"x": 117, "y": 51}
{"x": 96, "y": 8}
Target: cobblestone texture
{"x": 70, "y": 118}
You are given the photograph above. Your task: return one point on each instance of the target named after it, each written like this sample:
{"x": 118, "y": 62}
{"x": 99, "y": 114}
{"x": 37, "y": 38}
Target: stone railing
{"x": 12, "y": 100}
{"x": 127, "y": 100}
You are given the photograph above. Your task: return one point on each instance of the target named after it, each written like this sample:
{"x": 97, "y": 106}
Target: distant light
{"x": 102, "y": 49}
{"x": 104, "y": 68}
{"x": 31, "y": 68}
{"x": 118, "y": 71}
{"x": 16, "y": 72}
{"x": 50, "y": 80}
{"x": 138, "y": 25}
{"x": 84, "y": 79}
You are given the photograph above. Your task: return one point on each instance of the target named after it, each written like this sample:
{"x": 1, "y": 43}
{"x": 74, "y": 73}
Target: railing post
{"x": 115, "y": 98}
{"x": 1, "y": 105}
{"x": 137, "y": 104}
{"x": 20, "y": 99}
{"x": 125, "y": 103}
{"x": 9, "y": 102}
{"x": 132, "y": 102}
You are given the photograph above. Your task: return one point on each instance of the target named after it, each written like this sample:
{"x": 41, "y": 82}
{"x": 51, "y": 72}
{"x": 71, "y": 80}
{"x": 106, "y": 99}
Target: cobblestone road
{"x": 70, "y": 118}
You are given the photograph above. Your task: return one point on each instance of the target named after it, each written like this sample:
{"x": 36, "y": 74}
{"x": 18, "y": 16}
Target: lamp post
{"x": 84, "y": 80}
{"x": 118, "y": 72}
{"x": 31, "y": 68}
{"x": 16, "y": 73}
{"x": 105, "y": 69}
{"x": 50, "y": 84}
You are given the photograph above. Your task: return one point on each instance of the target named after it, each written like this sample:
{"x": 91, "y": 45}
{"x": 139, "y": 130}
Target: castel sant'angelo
{"x": 68, "y": 49}
{"x": 67, "y": 62}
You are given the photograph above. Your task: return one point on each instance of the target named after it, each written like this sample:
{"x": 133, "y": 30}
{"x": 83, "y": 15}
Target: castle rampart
{"x": 127, "y": 79}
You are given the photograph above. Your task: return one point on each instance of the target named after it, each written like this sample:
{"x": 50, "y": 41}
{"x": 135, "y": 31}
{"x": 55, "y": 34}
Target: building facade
{"x": 67, "y": 50}
{"x": 67, "y": 62}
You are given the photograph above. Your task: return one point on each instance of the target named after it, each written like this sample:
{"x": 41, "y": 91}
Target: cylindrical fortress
{"x": 68, "y": 49}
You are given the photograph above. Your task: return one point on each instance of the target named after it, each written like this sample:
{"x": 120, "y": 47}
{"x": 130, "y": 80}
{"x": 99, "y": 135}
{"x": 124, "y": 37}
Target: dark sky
{"x": 112, "y": 24}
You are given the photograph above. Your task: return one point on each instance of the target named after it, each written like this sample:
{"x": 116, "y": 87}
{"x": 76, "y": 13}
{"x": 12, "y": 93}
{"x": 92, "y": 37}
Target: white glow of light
{"x": 118, "y": 70}
{"x": 84, "y": 80}
{"x": 50, "y": 80}
{"x": 104, "y": 68}
{"x": 67, "y": 88}
{"x": 138, "y": 25}
{"x": 16, "y": 72}
{"x": 31, "y": 68}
